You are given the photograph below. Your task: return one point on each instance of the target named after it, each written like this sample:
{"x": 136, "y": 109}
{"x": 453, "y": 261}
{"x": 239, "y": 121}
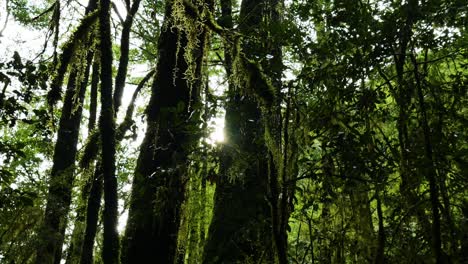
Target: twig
{"x": 6, "y": 18}
{"x": 114, "y": 7}
{"x": 43, "y": 13}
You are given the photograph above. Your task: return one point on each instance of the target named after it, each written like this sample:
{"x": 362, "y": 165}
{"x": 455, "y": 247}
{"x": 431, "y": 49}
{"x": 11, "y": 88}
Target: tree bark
{"x": 380, "y": 252}
{"x": 51, "y": 233}
{"x": 159, "y": 180}
{"x": 92, "y": 216}
{"x": 124, "y": 55}
{"x": 93, "y": 96}
{"x": 62, "y": 175}
{"x": 241, "y": 228}
{"x": 110, "y": 251}
{"x": 74, "y": 250}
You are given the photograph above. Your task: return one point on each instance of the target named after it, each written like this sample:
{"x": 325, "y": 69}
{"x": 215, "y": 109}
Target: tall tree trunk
{"x": 61, "y": 181}
{"x": 74, "y": 249}
{"x": 91, "y": 196}
{"x": 159, "y": 180}
{"x": 194, "y": 218}
{"x": 92, "y": 216}
{"x": 363, "y": 224}
{"x": 183, "y": 235}
{"x": 204, "y": 175}
{"x": 52, "y": 231}
{"x": 94, "y": 198}
{"x": 80, "y": 230}
{"x": 240, "y": 231}
{"x": 277, "y": 139}
{"x": 93, "y": 96}
{"x": 110, "y": 251}
{"x": 325, "y": 247}
{"x": 359, "y": 198}
{"x": 380, "y": 251}
{"x": 241, "y": 228}
{"x": 203, "y": 216}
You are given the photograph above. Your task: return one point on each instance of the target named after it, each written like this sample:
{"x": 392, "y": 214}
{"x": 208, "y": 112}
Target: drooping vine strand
{"x": 66, "y": 56}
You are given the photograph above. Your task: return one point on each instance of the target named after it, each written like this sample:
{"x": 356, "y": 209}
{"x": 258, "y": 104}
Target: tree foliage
{"x": 345, "y": 132}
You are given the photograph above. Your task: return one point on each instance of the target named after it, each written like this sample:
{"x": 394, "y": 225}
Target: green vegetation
{"x": 345, "y": 132}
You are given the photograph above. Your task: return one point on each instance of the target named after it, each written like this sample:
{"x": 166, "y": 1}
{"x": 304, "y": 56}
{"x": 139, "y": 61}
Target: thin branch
{"x": 127, "y": 4}
{"x": 114, "y": 7}
{"x": 48, "y": 10}
{"x": 6, "y": 82}
{"x": 387, "y": 81}
{"x": 6, "y": 18}
{"x": 91, "y": 148}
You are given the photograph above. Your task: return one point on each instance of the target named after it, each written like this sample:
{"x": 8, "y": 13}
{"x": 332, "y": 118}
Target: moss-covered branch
{"x": 69, "y": 50}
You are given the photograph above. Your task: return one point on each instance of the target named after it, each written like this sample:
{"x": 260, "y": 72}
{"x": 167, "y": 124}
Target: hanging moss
{"x": 91, "y": 150}
{"x": 259, "y": 83}
{"x": 205, "y": 16}
{"x": 68, "y": 51}
{"x": 189, "y": 18}
{"x": 248, "y": 73}
{"x": 82, "y": 62}
{"x": 184, "y": 19}
{"x": 190, "y": 9}
{"x": 248, "y": 76}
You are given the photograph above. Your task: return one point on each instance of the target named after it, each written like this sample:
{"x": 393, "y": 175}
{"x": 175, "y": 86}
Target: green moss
{"x": 249, "y": 78}
{"x": 68, "y": 51}
{"x": 186, "y": 19}
{"x": 79, "y": 63}
{"x": 91, "y": 149}
{"x": 259, "y": 83}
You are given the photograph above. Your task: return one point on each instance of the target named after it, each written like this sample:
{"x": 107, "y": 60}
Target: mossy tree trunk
{"x": 241, "y": 228}
{"x": 94, "y": 191}
{"x": 74, "y": 249}
{"x": 88, "y": 212}
{"x": 52, "y": 231}
{"x": 62, "y": 174}
{"x": 110, "y": 251}
{"x": 380, "y": 250}
{"x": 61, "y": 180}
{"x": 92, "y": 216}
{"x": 160, "y": 176}
{"x": 240, "y": 231}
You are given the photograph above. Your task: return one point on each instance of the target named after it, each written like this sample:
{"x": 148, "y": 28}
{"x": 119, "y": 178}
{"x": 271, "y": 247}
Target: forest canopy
{"x": 250, "y": 131}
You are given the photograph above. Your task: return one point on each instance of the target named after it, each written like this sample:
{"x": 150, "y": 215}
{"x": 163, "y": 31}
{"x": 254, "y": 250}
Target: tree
{"x": 243, "y": 227}
{"x": 345, "y": 131}
{"x": 172, "y": 116}
{"x": 52, "y": 232}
